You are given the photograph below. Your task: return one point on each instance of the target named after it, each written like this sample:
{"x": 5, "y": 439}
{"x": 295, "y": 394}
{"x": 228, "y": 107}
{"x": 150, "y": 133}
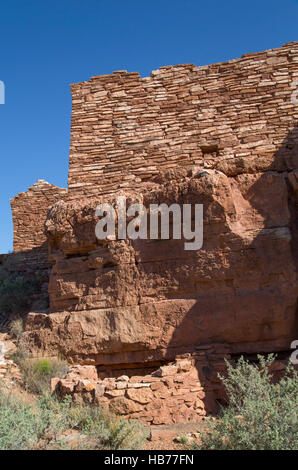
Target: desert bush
{"x": 19, "y": 424}
{"x": 183, "y": 440}
{"x": 105, "y": 429}
{"x": 37, "y": 374}
{"x": 16, "y": 295}
{"x": 16, "y": 328}
{"x": 261, "y": 415}
{"x": 42, "y": 367}
{"x": 24, "y": 426}
{"x": 41, "y": 425}
{"x": 124, "y": 435}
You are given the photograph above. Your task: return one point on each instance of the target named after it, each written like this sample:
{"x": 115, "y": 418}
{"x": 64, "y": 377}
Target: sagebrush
{"x": 37, "y": 373}
{"x": 261, "y": 415}
{"x": 42, "y": 425}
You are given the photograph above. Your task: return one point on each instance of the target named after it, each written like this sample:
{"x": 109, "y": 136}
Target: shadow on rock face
{"x": 245, "y": 296}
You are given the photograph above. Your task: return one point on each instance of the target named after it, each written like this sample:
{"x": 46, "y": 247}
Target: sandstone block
{"x": 124, "y": 406}
{"x": 143, "y": 395}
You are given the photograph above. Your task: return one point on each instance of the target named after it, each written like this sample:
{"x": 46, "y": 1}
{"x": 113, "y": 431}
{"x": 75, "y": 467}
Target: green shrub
{"x": 261, "y": 415}
{"x": 105, "y": 429}
{"x": 124, "y": 435}
{"x": 182, "y": 439}
{"x": 19, "y": 425}
{"x": 40, "y": 425}
{"x": 37, "y": 374}
{"x": 42, "y": 367}
{"x": 24, "y": 426}
{"x": 16, "y": 295}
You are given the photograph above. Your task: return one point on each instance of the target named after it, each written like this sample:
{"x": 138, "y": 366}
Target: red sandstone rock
{"x": 124, "y": 406}
{"x": 184, "y": 365}
{"x": 54, "y": 383}
{"x": 99, "y": 391}
{"x": 85, "y": 386}
{"x": 143, "y": 395}
{"x": 114, "y": 393}
{"x": 66, "y": 387}
{"x": 236, "y": 297}
{"x": 84, "y": 372}
{"x": 166, "y": 371}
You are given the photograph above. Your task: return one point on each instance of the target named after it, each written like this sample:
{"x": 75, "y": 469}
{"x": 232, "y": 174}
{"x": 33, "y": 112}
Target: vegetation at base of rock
{"x": 42, "y": 426}
{"x": 261, "y": 415}
{"x": 182, "y": 439}
{"x": 37, "y": 373}
{"x": 43, "y": 367}
{"x": 16, "y": 328}
{"x": 16, "y": 295}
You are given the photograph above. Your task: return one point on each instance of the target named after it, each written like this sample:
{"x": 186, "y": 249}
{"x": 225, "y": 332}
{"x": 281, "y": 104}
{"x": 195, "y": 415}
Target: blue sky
{"x": 46, "y": 45}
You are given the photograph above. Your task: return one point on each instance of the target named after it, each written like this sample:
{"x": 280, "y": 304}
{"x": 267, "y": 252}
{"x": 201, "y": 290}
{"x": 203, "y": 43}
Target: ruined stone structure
{"x": 172, "y": 393}
{"x": 29, "y": 212}
{"x": 225, "y": 136}
{"x": 186, "y": 390}
{"x": 231, "y": 116}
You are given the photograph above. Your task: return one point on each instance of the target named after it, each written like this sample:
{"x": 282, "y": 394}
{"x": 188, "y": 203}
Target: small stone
{"x": 114, "y": 393}
{"x": 165, "y": 371}
{"x": 123, "y": 378}
{"x": 121, "y": 385}
{"x": 139, "y": 385}
{"x": 54, "y": 383}
{"x": 99, "y": 391}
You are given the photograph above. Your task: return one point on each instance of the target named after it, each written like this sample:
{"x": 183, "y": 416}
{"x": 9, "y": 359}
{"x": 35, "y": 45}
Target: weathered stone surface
{"x": 66, "y": 387}
{"x": 143, "y": 395}
{"x": 166, "y": 371}
{"x": 155, "y": 402}
{"x": 85, "y": 386}
{"x": 124, "y": 406}
{"x": 230, "y": 116}
{"x": 114, "y": 393}
{"x": 84, "y": 372}
{"x": 99, "y": 391}
{"x": 123, "y": 378}
{"x": 125, "y": 302}
{"x": 29, "y": 211}
{"x": 54, "y": 383}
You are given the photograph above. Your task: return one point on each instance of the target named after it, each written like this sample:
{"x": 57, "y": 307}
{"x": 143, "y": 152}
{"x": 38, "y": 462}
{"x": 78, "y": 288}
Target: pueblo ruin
{"x": 145, "y": 323}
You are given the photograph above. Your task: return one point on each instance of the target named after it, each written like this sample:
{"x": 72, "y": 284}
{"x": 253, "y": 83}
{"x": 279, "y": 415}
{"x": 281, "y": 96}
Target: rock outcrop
{"x": 140, "y": 301}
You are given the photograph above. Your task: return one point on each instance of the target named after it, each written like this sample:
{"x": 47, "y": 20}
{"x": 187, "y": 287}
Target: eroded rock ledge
{"x": 117, "y": 302}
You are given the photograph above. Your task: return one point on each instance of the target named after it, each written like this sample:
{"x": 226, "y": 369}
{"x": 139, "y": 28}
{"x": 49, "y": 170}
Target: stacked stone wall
{"x": 184, "y": 390}
{"x": 231, "y": 116}
{"x": 29, "y": 212}
{"x": 187, "y": 389}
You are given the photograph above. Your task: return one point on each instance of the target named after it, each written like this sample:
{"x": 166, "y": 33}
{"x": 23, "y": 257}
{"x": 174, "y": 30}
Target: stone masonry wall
{"x": 125, "y": 129}
{"x": 177, "y": 392}
{"x": 29, "y": 212}
{"x": 187, "y": 389}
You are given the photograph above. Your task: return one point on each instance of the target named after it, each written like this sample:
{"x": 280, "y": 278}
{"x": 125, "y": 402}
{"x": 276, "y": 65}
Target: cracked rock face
{"x": 140, "y": 301}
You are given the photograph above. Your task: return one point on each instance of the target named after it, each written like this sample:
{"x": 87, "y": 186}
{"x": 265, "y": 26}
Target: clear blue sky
{"x": 46, "y": 45}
